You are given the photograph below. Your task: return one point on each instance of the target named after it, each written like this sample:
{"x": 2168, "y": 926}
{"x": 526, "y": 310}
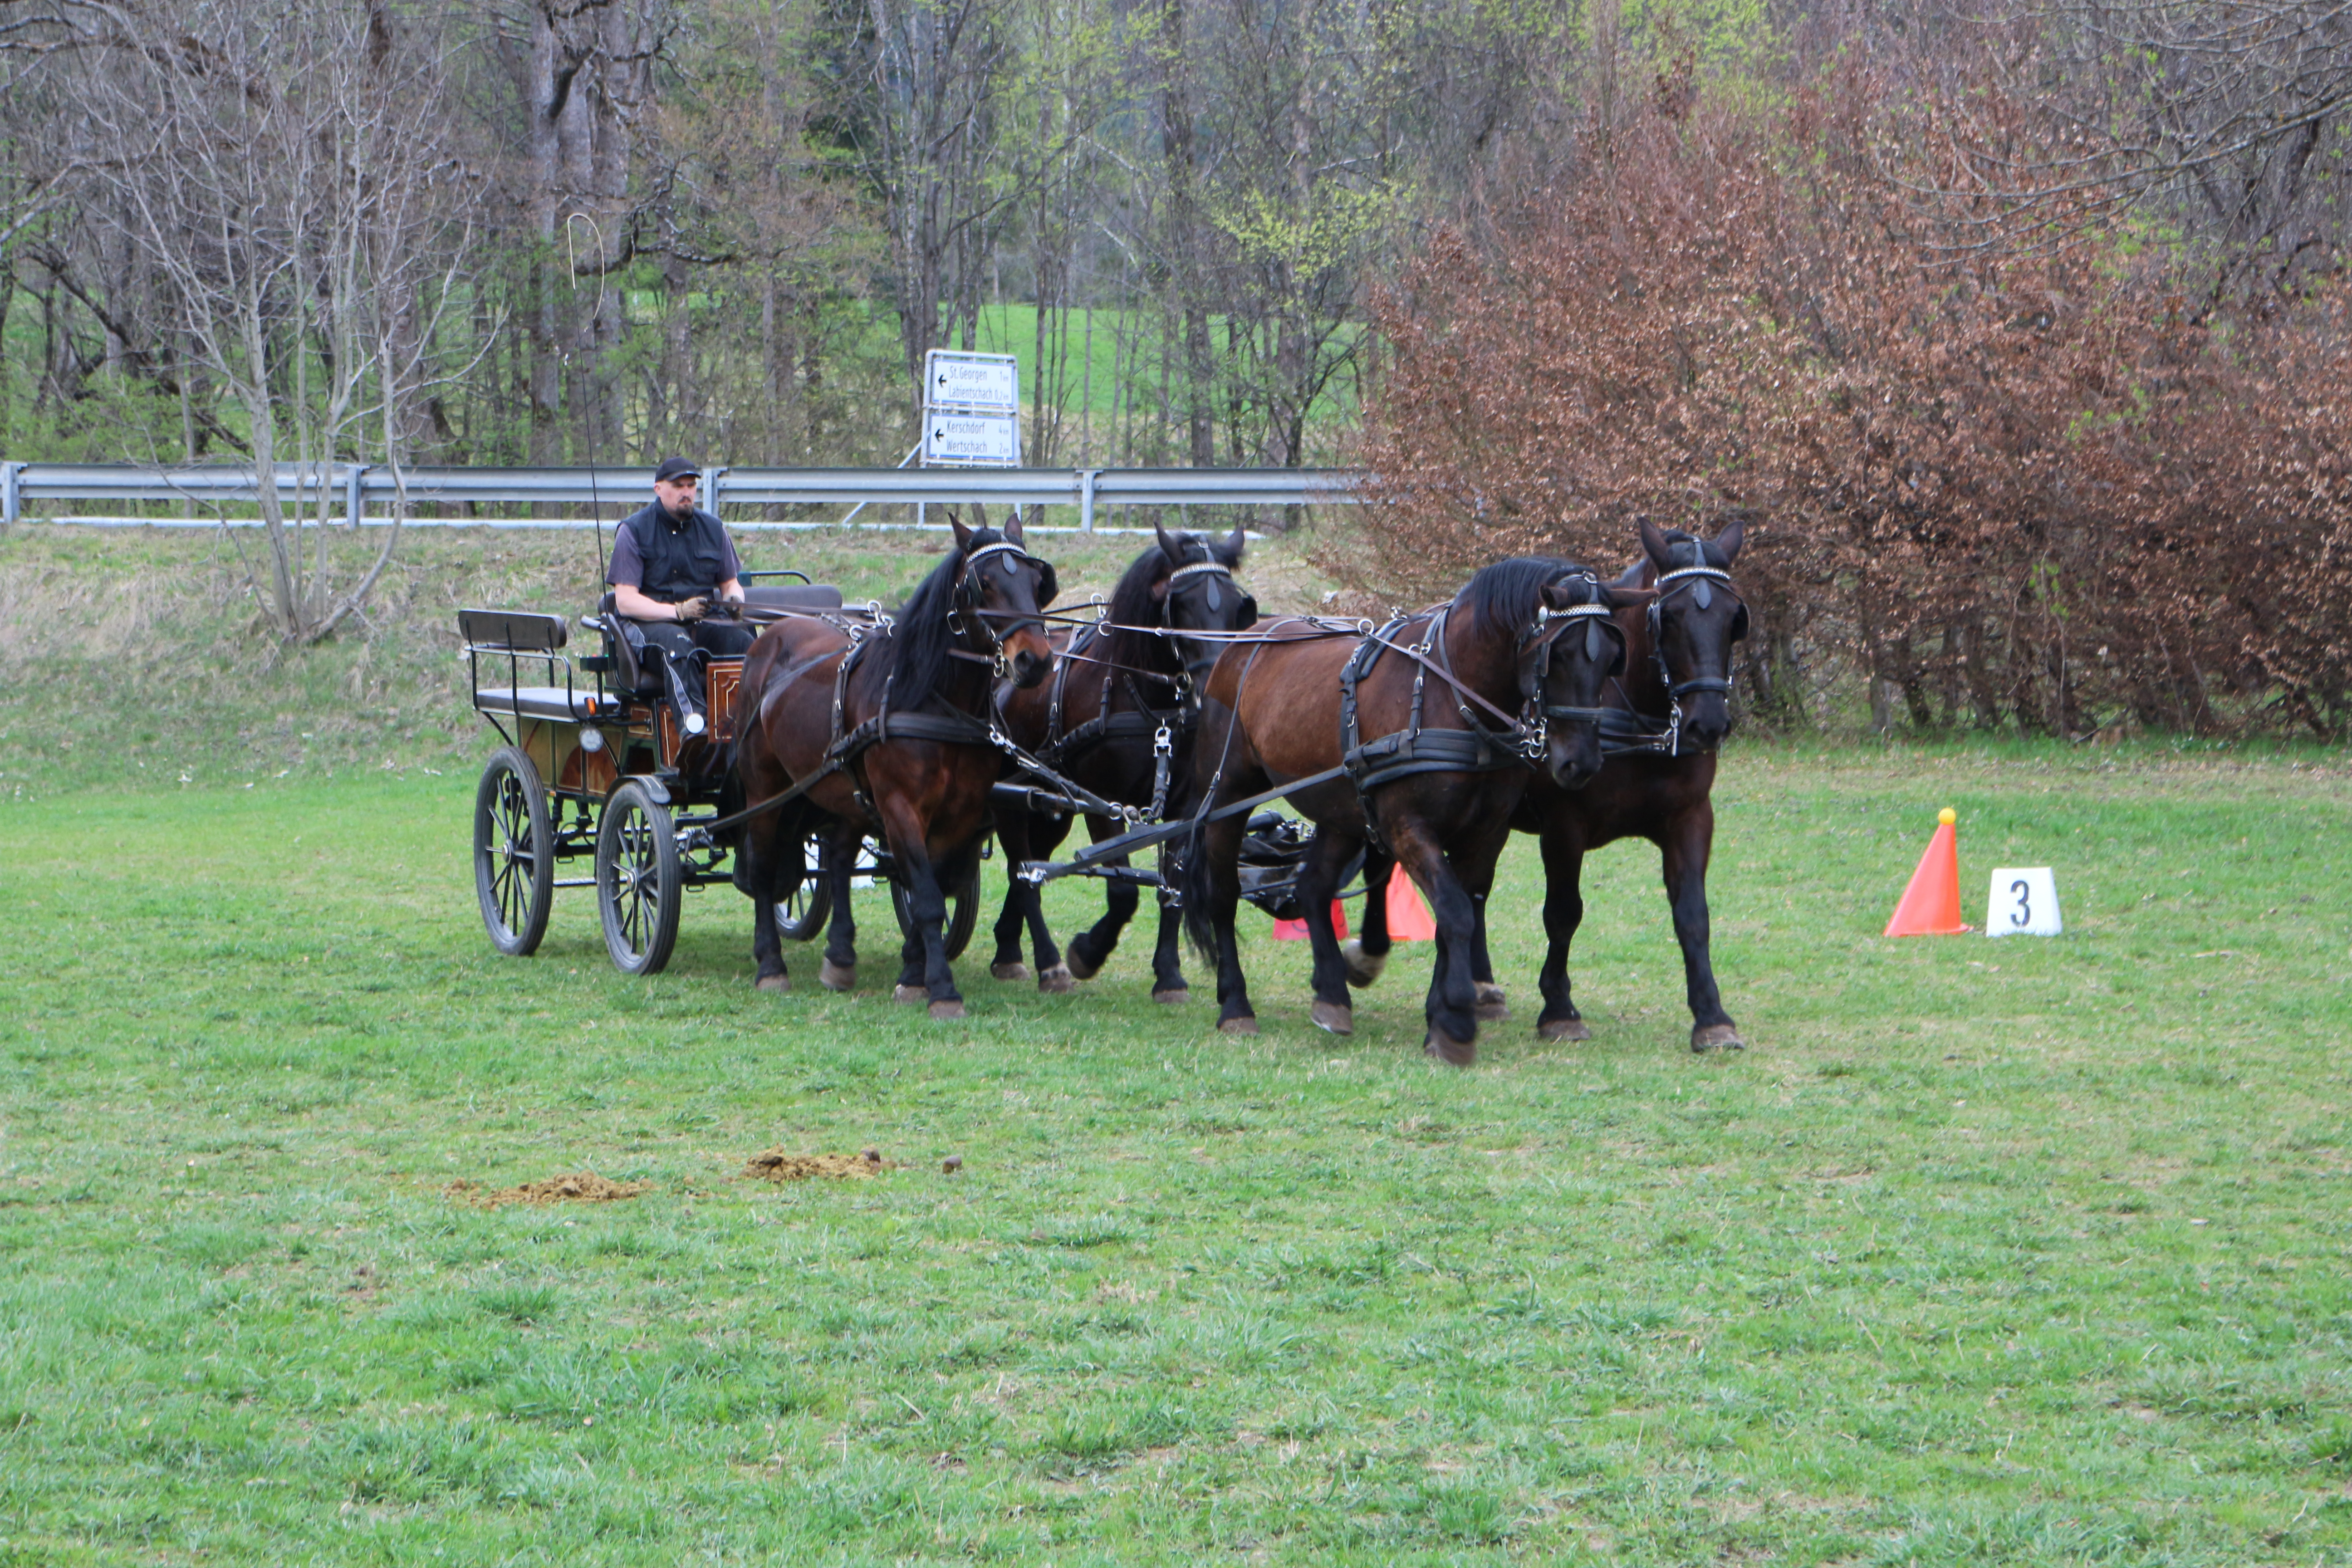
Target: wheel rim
{"x": 514, "y": 857}
{"x": 634, "y": 867}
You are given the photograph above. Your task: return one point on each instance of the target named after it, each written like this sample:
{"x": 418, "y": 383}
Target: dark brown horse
{"x": 1118, "y": 716}
{"x": 887, "y": 728}
{"x": 1667, "y": 715}
{"x": 1417, "y": 722}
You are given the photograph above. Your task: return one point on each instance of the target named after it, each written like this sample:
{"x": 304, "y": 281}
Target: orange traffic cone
{"x": 1296, "y": 931}
{"x": 1931, "y": 904}
{"x": 1409, "y": 918}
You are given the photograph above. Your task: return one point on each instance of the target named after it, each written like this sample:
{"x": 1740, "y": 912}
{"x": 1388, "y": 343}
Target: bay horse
{"x": 1117, "y": 717}
{"x": 1430, "y": 785}
{"x": 884, "y": 729}
{"x": 1665, "y": 719}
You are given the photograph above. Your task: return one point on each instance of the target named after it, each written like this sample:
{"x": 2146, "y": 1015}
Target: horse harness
{"x": 1629, "y": 732}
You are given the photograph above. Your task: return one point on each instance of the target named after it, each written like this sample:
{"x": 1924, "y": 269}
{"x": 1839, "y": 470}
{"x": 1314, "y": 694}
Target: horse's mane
{"x": 1131, "y": 604}
{"x": 1502, "y": 598}
{"x": 915, "y": 654}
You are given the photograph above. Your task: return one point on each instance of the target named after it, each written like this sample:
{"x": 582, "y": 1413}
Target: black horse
{"x": 1117, "y": 717}
{"x": 1404, "y": 739}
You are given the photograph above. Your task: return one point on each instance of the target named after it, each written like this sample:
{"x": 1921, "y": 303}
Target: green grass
{"x": 2020, "y": 1252}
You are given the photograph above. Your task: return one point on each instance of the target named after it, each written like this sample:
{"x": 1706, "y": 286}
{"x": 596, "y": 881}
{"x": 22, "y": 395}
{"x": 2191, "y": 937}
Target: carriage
{"x": 592, "y": 768}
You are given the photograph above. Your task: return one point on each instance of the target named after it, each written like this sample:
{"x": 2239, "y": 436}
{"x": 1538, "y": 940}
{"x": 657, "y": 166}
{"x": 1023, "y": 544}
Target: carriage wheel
{"x": 639, "y": 880}
{"x": 963, "y": 911}
{"x": 514, "y": 853}
{"x": 801, "y": 915}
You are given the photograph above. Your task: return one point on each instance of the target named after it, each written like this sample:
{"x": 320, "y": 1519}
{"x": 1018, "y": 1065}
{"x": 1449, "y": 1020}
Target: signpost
{"x": 972, "y": 410}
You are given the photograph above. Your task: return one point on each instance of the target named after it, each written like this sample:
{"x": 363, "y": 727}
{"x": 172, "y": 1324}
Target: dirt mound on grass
{"x": 775, "y": 1165}
{"x": 580, "y": 1188}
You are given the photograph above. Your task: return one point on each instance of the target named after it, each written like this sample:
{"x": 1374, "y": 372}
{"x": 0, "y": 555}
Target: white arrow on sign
{"x": 972, "y": 438}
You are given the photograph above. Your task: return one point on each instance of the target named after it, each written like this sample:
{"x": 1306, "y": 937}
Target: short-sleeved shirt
{"x": 629, "y": 563}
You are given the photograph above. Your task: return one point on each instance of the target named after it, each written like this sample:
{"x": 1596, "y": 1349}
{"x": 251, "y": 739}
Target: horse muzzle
{"x": 1574, "y": 756}
{"x": 1028, "y": 659}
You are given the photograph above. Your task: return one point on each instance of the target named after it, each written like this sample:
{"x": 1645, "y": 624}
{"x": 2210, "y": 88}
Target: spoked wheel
{"x": 963, "y": 911}
{"x": 514, "y": 853}
{"x": 639, "y": 881}
{"x": 801, "y": 915}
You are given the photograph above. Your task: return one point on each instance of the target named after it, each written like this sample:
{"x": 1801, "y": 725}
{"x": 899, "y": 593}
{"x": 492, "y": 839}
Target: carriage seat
{"x": 636, "y": 668}
{"x": 545, "y": 702}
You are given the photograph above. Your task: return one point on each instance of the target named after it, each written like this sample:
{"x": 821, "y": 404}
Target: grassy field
{"x": 2027, "y": 1252}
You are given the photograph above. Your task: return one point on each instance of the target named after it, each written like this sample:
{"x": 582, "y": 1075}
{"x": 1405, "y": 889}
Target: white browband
{"x": 1717, "y": 572}
{"x": 1198, "y": 567}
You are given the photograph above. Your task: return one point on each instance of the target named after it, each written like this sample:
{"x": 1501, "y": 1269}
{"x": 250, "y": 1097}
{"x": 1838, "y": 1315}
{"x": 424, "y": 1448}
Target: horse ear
{"x": 1012, "y": 529}
{"x": 963, "y": 534}
{"x": 1731, "y": 539}
{"x": 1167, "y": 545}
{"x": 1653, "y": 544}
{"x": 1558, "y": 596}
{"x": 1622, "y": 597}
{"x": 1235, "y": 545}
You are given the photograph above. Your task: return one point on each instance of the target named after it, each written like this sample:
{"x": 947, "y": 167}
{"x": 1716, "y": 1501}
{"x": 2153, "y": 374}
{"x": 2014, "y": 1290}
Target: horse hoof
{"x": 1334, "y": 1017}
{"x": 1173, "y": 994}
{"x": 1016, "y": 969}
{"x": 1074, "y": 962}
{"x": 1363, "y": 968}
{"x": 778, "y": 983}
{"x": 945, "y": 1009}
{"x": 1453, "y": 1053}
{"x": 1562, "y": 1029}
{"x": 1718, "y": 1038}
{"x": 1245, "y": 1025}
{"x": 1058, "y": 980}
{"x": 1492, "y": 1006}
{"x": 837, "y": 976}
{"x": 909, "y": 994}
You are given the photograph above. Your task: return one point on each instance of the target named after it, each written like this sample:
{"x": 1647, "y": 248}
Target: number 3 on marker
{"x": 2032, "y": 895}
{"x": 2023, "y": 915}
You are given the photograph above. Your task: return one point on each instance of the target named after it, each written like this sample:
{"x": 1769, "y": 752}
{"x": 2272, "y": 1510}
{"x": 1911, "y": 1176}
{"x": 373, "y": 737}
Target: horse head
{"x": 998, "y": 595}
{"x": 1198, "y": 593}
{"x": 1572, "y": 653}
{"x": 1694, "y": 621}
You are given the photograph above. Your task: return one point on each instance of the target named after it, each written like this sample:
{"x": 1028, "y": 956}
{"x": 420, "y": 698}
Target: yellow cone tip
{"x": 1948, "y": 816}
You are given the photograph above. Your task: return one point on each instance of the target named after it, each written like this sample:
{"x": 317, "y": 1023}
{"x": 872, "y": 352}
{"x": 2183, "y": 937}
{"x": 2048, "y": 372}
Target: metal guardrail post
{"x": 12, "y": 492}
{"x": 354, "y": 509}
{"x": 1086, "y": 500}
{"x": 713, "y": 478}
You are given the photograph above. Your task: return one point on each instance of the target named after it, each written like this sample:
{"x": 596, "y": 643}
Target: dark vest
{"x": 681, "y": 562}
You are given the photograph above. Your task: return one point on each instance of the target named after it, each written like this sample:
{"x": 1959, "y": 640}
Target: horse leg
{"x": 1452, "y": 1007}
{"x": 753, "y": 863}
{"x": 1219, "y": 848}
{"x": 1683, "y": 854}
{"x": 839, "y": 970}
{"x": 1013, "y": 833}
{"x": 1053, "y": 974}
{"x": 1494, "y": 1007}
{"x": 1318, "y": 879}
{"x": 928, "y": 904}
{"x": 1092, "y": 948}
{"x": 1167, "y": 982}
{"x": 1367, "y": 952}
{"x": 1563, "y": 859}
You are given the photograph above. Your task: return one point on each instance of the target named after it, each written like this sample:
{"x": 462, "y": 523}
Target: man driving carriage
{"x": 673, "y": 569}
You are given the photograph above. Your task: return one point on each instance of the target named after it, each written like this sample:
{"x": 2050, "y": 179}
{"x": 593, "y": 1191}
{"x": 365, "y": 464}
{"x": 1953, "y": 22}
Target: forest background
{"x": 2014, "y": 331}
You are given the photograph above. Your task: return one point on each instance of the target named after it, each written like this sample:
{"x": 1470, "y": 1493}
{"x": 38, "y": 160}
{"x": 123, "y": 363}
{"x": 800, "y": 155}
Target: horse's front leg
{"x": 1167, "y": 982}
{"x": 1213, "y": 896}
{"x": 1563, "y": 911}
{"x": 1367, "y": 952}
{"x": 1092, "y": 948}
{"x": 926, "y": 949}
{"x": 1682, "y": 853}
{"x": 1013, "y": 833}
{"x": 1328, "y": 855}
{"x": 838, "y": 858}
{"x": 1494, "y": 1007}
{"x": 1452, "y": 1005}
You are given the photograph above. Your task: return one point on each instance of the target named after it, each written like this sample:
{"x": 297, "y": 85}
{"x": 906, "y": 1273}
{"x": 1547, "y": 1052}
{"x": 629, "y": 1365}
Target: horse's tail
{"x": 1193, "y": 879}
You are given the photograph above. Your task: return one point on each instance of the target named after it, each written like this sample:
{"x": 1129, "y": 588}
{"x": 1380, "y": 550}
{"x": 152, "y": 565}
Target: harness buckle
{"x": 1163, "y": 743}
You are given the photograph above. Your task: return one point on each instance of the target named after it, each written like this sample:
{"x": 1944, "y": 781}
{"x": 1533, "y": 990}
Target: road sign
{"x": 978, "y": 439}
{"x": 989, "y": 383}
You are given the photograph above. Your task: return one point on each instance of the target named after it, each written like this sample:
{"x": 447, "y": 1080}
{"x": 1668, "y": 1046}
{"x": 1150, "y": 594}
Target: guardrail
{"x": 355, "y": 485}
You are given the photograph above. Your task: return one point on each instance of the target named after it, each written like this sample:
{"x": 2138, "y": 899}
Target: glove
{"x": 692, "y": 609}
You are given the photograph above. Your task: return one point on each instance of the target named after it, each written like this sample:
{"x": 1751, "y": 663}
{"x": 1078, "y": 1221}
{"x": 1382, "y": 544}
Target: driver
{"x": 673, "y": 565}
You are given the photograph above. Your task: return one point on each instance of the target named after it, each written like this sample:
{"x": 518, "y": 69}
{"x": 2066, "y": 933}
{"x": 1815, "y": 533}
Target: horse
{"x": 1117, "y": 717}
{"x": 1431, "y": 786}
{"x": 884, "y": 729}
{"x": 1657, "y": 781}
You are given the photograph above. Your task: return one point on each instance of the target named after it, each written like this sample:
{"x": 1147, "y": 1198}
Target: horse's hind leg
{"x": 839, "y": 970}
{"x": 926, "y": 949}
{"x": 1563, "y": 911}
{"x": 1494, "y": 1007}
{"x": 1683, "y": 854}
{"x": 1167, "y": 982}
{"x": 1013, "y": 833}
{"x": 1327, "y": 856}
{"x": 1367, "y": 952}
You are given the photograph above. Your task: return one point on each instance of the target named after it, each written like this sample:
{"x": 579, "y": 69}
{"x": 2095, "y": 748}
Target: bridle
{"x": 1213, "y": 567}
{"x": 967, "y": 590}
{"x": 1699, "y": 581}
{"x": 1549, "y": 625}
